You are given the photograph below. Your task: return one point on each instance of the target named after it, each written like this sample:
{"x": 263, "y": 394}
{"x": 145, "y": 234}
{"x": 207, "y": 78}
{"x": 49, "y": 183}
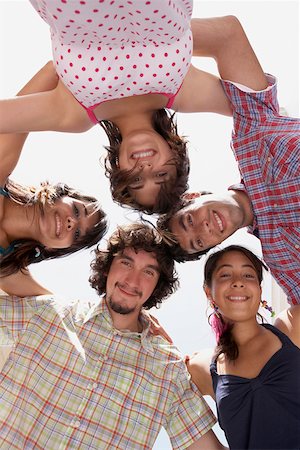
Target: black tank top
{"x": 262, "y": 412}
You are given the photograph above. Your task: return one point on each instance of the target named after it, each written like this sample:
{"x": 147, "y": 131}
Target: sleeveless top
{"x": 105, "y": 50}
{"x": 11, "y": 247}
{"x": 262, "y": 412}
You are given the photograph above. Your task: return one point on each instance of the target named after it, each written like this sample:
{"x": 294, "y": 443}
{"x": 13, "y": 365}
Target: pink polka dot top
{"x": 109, "y": 49}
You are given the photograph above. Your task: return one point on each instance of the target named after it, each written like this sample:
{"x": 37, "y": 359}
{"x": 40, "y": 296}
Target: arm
{"x": 288, "y": 321}
{"x": 224, "y": 40}
{"x": 199, "y": 367}
{"x": 22, "y": 284}
{"x": 54, "y": 110}
{"x": 11, "y": 144}
{"x": 208, "y": 441}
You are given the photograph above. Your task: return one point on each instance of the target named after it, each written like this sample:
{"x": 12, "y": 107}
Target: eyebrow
{"x": 150, "y": 266}
{"x": 231, "y": 265}
{"x": 142, "y": 185}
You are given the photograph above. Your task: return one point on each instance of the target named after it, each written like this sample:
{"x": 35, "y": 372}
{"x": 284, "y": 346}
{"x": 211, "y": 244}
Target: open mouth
{"x": 218, "y": 221}
{"x": 143, "y": 154}
{"x": 237, "y": 298}
{"x": 58, "y": 225}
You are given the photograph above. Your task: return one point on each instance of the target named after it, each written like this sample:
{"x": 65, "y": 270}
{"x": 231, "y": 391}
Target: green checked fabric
{"x": 73, "y": 381}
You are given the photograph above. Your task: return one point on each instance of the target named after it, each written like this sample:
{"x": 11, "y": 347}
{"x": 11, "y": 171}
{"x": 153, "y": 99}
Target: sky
{"x": 77, "y": 159}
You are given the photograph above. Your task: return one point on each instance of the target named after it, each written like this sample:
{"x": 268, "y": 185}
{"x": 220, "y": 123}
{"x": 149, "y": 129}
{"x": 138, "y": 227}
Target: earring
{"x": 37, "y": 252}
{"x": 265, "y": 305}
{"x": 215, "y": 308}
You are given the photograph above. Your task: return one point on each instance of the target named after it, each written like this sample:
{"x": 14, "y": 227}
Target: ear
{"x": 207, "y": 291}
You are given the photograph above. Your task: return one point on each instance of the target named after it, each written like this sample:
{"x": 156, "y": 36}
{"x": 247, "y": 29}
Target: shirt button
{"x": 297, "y": 246}
{"x": 77, "y": 424}
{"x": 269, "y": 159}
{"x": 95, "y": 385}
{"x": 275, "y": 205}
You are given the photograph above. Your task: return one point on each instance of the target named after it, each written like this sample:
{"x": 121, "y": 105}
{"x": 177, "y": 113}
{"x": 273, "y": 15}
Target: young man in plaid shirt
{"x": 267, "y": 149}
{"x": 97, "y": 377}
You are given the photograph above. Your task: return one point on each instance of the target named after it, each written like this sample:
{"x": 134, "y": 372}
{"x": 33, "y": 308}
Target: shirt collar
{"x": 101, "y": 309}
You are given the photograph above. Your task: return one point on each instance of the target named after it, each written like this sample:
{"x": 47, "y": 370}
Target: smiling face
{"x": 235, "y": 287}
{"x": 209, "y": 220}
{"x": 66, "y": 221}
{"x": 132, "y": 278}
{"x": 151, "y": 158}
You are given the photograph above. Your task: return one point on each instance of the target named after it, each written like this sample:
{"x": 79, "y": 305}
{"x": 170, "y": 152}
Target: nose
{"x": 132, "y": 279}
{"x": 144, "y": 164}
{"x": 71, "y": 223}
{"x": 237, "y": 282}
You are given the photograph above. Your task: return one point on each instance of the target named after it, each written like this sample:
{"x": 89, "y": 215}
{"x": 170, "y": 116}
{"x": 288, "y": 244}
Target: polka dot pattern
{"x": 109, "y": 49}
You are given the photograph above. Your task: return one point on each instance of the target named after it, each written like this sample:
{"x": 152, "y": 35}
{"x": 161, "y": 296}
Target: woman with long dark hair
{"x": 253, "y": 374}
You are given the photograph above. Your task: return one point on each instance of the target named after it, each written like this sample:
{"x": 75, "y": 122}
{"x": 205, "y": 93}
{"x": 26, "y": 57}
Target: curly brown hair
{"x": 164, "y": 124}
{"x": 138, "y": 237}
{"x": 23, "y": 252}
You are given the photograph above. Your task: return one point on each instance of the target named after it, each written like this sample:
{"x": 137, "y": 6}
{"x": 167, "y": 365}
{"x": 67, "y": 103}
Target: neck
{"x": 132, "y": 123}
{"x": 245, "y": 204}
{"x": 124, "y": 322}
{"x": 19, "y": 221}
{"x": 244, "y": 332}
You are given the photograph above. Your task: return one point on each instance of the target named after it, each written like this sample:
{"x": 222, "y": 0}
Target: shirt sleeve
{"x": 190, "y": 416}
{"x": 15, "y": 313}
{"x": 250, "y": 108}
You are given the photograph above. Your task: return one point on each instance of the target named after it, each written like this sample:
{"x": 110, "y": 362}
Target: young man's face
{"x": 131, "y": 280}
{"x": 209, "y": 220}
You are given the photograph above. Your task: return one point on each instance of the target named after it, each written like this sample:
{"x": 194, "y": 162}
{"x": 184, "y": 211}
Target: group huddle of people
{"x": 105, "y": 374}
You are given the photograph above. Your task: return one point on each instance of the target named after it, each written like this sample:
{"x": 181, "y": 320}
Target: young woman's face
{"x": 66, "y": 221}
{"x": 235, "y": 287}
{"x": 151, "y": 157}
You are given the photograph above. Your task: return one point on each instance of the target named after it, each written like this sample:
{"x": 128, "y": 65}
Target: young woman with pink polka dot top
{"x": 123, "y": 64}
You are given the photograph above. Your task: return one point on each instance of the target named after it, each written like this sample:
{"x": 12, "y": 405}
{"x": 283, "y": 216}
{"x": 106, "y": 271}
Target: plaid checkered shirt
{"x": 267, "y": 149}
{"x": 74, "y": 381}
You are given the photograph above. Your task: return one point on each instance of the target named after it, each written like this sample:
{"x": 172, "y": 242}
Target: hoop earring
{"x": 216, "y": 309}
{"x": 265, "y": 305}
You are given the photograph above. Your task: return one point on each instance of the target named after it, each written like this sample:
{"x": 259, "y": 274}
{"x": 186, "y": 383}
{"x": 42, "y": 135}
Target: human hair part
{"x": 137, "y": 237}
{"x": 28, "y": 251}
{"x": 163, "y": 123}
{"x": 223, "y": 329}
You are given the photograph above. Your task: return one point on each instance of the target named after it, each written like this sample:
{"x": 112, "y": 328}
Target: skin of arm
{"x": 22, "y": 284}
{"x": 208, "y": 441}
{"x": 224, "y": 40}
{"x": 52, "y": 109}
{"x": 199, "y": 367}
{"x": 11, "y": 144}
{"x": 288, "y": 321}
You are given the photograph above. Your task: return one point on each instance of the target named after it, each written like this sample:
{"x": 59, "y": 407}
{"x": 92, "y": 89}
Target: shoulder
{"x": 288, "y": 321}
{"x": 199, "y": 367}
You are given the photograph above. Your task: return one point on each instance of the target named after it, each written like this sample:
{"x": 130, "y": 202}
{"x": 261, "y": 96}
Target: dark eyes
{"x": 77, "y": 234}
{"x": 76, "y": 211}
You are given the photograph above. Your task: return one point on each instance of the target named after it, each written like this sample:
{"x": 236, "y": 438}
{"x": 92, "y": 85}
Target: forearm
{"x": 11, "y": 144}
{"x": 224, "y": 40}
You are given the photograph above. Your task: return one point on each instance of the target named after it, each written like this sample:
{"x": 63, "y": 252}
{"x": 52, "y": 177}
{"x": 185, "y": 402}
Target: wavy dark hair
{"x": 28, "y": 251}
{"x": 138, "y": 237}
{"x": 223, "y": 330}
{"x": 164, "y": 124}
{"x": 163, "y": 226}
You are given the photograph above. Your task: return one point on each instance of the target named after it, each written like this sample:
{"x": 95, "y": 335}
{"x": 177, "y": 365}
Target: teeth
{"x": 240, "y": 298}
{"x": 58, "y": 225}
{"x": 219, "y": 221}
{"x": 144, "y": 154}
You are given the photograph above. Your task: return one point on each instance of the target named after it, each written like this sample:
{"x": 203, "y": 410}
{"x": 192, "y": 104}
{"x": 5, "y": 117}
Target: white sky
{"x": 273, "y": 30}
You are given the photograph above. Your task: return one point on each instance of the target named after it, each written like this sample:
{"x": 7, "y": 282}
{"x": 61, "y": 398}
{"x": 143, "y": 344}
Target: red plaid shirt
{"x": 267, "y": 149}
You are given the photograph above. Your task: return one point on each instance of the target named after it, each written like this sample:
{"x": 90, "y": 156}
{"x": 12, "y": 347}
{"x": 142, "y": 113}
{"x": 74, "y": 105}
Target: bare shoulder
{"x": 288, "y": 321}
{"x": 198, "y": 365}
